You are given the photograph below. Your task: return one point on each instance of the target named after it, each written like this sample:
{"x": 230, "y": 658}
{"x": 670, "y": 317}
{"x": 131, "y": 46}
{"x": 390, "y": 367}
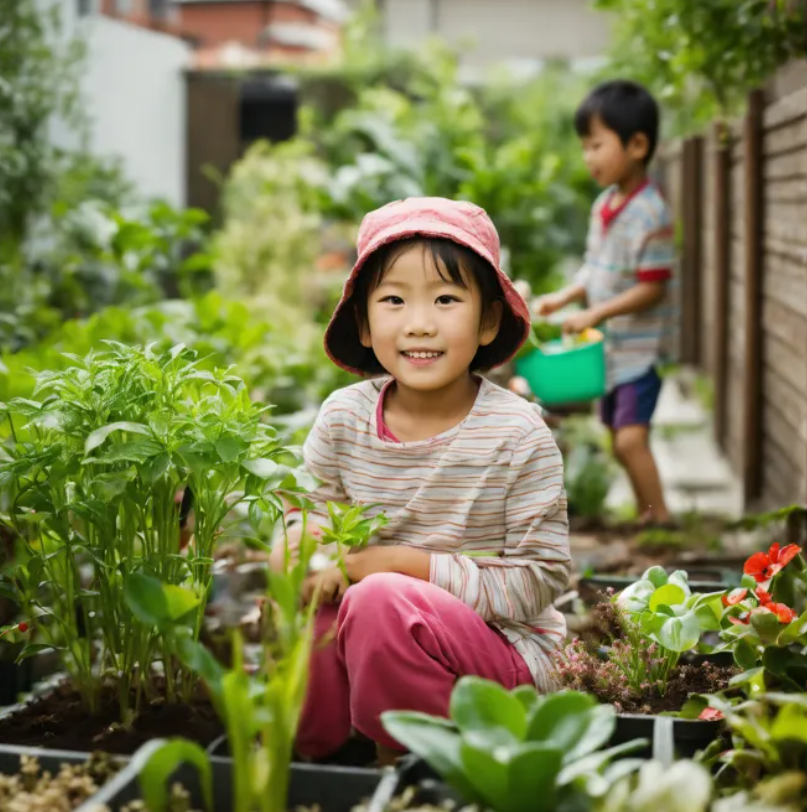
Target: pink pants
{"x": 399, "y": 644}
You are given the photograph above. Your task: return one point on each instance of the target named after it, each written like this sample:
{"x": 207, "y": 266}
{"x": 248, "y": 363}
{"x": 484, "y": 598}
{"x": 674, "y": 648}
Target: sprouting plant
{"x": 90, "y": 476}
{"x": 517, "y": 751}
{"x": 261, "y": 710}
{"x": 650, "y": 625}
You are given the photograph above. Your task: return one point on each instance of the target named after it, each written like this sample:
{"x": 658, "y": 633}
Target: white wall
{"x": 134, "y": 88}
{"x": 503, "y": 30}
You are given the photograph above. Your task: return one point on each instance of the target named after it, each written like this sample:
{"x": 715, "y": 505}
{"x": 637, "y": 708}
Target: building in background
{"x": 134, "y": 89}
{"x": 496, "y": 31}
{"x": 261, "y": 33}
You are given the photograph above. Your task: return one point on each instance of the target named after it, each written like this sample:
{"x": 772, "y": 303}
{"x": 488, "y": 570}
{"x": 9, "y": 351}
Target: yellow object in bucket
{"x": 567, "y": 370}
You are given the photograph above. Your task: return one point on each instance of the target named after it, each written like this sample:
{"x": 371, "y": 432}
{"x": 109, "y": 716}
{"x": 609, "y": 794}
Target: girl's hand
{"x": 332, "y": 585}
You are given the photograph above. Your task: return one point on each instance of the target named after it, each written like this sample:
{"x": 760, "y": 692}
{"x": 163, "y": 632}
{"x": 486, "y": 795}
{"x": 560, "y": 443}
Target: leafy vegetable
{"x": 516, "y": 751}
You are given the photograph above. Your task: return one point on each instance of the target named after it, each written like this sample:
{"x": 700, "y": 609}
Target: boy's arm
{"x": 640, "y": 297}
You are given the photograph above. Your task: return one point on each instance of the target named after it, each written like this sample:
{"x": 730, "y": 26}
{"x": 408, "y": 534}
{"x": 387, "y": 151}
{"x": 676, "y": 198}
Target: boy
{"x": 626, "y": 276}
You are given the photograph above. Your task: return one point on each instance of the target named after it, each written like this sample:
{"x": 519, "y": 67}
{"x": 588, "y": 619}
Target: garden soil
{"x": 58, "y": 720}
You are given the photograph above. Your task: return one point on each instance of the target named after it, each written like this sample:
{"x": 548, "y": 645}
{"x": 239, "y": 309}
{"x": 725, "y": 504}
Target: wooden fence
{"x": 741, "y": 198}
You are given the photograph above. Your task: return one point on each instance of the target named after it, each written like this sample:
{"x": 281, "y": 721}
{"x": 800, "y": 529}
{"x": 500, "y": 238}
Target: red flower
{"x": 763, "y": 596}
{"x": 734, "y": 597}
{"x": 711, "y": 715}
{"x": 784, "y": 613}
{"x": 742, "y": 620}
{"x": 23, "y": 627}
{"x": 763, "y": 566}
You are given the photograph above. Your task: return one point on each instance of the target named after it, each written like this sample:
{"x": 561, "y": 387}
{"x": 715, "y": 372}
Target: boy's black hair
{"x": 623, "y": 106}
{"x": 450, "y": 259}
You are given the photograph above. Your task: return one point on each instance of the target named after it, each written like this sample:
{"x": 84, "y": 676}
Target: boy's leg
{"x": 631, "y": 410}
{"x": 632, "y": 447}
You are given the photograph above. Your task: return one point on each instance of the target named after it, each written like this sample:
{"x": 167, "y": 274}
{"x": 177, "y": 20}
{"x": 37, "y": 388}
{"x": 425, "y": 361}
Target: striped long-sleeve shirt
{"x": 485, "y": 498}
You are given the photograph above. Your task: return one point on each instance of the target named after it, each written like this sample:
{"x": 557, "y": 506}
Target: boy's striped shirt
{"x": 632, "y": 243}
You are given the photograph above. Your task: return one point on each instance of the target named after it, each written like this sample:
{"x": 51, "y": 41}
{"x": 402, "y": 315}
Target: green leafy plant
{"x": 766, "y": 635}
{"x": 768, "y": 752}
{"x": 516, "y": 751}
{"x": 703, "y": 58}
{"x": 648, "y": 627}
{"x": 261, "y": 707}
{"x": 89, "y": 477}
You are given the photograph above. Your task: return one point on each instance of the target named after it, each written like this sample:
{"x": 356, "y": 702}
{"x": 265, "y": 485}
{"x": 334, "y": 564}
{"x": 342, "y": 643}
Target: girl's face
{"x": 424, "y": 330}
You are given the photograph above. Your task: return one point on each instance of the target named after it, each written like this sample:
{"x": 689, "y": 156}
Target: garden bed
{"x": 327, "y": 789}
{"x": 36, "y": 780}
{"x": 59, "y": 720}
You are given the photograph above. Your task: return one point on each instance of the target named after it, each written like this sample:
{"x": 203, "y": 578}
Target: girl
{"x": 462, "y": 578}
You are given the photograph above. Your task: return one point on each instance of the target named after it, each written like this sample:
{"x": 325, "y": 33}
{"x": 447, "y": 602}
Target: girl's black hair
{"x": 454, "y": 263}
{"x": 624, "y": 107}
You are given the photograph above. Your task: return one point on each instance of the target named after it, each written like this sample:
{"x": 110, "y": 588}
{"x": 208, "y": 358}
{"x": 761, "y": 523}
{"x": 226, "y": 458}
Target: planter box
{"x": 688, "y": 735}
{"x": 52, "y": 760}
{"x": 600, "y": 583}
{"x": 331, "y": 789}
{"x": 76, "y": 732}
{"x": 356, "y": 753}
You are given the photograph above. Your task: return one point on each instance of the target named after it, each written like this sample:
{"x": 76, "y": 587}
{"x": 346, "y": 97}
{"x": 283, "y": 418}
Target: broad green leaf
{"x": 709, "y": 622}
{"x": 595, "y": 761}
{"x": 162, "y": 759}
{"x": 635, "y": 597}
{"x": 99, "y": 436}
{"x": 527, "y": 696}
{"x": 767, "y": 625}
{"x": 230, "y": 448}
{"x": 656, "y": 575}
{"x": 262, "y": 468}
{"x": 680, "y": 633}
{"x": 201, "y": 661}
{"x": 680, "y": 578}
{"x": 667, "y": 595}
{"x": 745, "y": 654}
{"x": 790, "y": 724}
{"x": 485, "y": 708}
{"x": 156, "y": 604}
{"x": 567, "y": 720}
{"x": 489, "y": 777}
{"x": 436, "y": 741}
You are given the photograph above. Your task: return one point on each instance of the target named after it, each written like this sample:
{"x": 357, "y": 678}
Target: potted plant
{"x": 649, "y": 627}
{"x": 764, "y": 624}
{"x": 517, "y": 751}
{"x": 90, "y": 475}
{"x": 261, "y": 706}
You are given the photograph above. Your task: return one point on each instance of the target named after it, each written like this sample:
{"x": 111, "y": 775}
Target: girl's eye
{"x": 395, "y": 300}
{"x": 447, "y": 299}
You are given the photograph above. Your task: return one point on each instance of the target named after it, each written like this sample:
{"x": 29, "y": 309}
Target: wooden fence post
{"x": 722, "y": 247}
{"x": 692, "y": 201}
{"x": 753, "y": 228}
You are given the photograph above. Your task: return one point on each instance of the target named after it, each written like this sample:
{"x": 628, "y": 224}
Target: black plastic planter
{"x": 356, "y": 753}
{"x": 688, "y": 735}
{"x": 600, "y": 583}
{"x": 52, "y": 761}
{"x": 331, "y": 789}
{"x": 15, "y": 679}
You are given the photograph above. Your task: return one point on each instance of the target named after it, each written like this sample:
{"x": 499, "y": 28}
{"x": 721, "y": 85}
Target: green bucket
{"x": 560, "y": 374}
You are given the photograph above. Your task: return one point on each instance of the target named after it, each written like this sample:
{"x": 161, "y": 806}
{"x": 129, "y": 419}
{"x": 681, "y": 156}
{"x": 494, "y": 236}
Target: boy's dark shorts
{"x": 631, "y": 404}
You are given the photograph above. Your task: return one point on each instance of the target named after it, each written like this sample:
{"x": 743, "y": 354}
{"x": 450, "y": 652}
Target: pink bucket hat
{"x": 458, "y": 221}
